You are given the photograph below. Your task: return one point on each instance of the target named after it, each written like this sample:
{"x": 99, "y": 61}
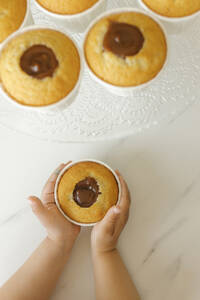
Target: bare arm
{"x": 112, "y": 279}
{"x": 37, "y": 278}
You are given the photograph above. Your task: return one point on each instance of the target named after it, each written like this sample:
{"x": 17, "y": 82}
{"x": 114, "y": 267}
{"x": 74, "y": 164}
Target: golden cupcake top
{"x": 126, "y": 49}
{"x": 12, "y": 14}
{"x": 39, "y": 67}
{"x": 86, "y": 191}
{"x": 173, "y": 9}
{"x": 67, "y": 7}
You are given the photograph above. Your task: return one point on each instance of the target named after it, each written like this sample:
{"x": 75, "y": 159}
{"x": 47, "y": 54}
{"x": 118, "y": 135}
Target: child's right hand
{"x": 105, "y": 234}
{"x": 62, "y": 232}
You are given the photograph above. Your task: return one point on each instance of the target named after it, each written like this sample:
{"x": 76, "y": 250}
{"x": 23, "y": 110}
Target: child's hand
{"x": 59, "y": 229}
{"x": 105, "y": 234}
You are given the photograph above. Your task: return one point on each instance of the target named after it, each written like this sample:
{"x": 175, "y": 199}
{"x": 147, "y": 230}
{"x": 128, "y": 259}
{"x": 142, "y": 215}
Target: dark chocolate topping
{"x": 39, "y": 62}
{"x": 123, "y": 39}
{"x": 86, "y": 192}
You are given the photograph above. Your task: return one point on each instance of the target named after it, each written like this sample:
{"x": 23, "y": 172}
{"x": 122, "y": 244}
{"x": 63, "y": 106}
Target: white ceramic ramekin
{"x": 76, "y": 22}
{"x": 60, "y": 176}
{"x": 169, "y": 19}
{"x": 28, "y": 20}
{"x": 118, "y": 90}
{"x": 63, "y": 103}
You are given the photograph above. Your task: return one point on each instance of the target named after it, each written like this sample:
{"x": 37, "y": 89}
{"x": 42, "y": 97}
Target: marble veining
{"x": 163, "y": 237}
{"x": 14, "y": 216}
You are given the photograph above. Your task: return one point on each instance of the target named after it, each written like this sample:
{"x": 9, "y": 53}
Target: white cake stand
{"x": 99, "y": 115}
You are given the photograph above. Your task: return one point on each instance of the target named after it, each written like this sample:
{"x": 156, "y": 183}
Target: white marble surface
{"x": 161, "y": 243}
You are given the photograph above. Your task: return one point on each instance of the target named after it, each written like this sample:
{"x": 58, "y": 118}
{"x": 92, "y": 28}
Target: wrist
{"x": 64, "y": 246}
{"x": 103, "y": 255}
{"x": 103, "y": 251}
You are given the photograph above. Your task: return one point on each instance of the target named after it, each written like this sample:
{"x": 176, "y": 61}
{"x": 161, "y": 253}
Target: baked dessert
{"x": 86, "y": 191}
{"x": 39, "y": 67}
{"x": 125, "y": 49}
{"x": 173, "y": 9}
{"x": 67, "y": 7}
{"x": 12, "y": 14}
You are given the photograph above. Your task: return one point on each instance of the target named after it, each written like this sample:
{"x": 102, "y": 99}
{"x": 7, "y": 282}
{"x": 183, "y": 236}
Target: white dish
{"x": 168, "y": 19}
{"x": 123, "y": 91}
{"x": 77, "y": 22}
{"x": 60, "y": 176}
{"x": 63, "y": 103}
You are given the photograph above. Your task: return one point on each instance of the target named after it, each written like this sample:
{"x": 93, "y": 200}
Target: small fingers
{"x": 37, "y": 208}
{"x": 55, "y": 173}
{"x": 41, "y": 212}
{"x": 110, "y": 219}
{"x": 48, "y": 190}
{"x": 125, "y": 201}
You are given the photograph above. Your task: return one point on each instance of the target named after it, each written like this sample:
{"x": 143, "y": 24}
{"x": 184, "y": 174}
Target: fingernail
{"x": 31, "y": 201}
{"x": 57, "y": 172}
{"x": 116, "y": 210}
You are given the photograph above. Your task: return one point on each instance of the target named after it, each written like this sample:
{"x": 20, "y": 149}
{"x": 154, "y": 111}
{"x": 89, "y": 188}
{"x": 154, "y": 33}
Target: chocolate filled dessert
{"x": 12, "y": 14}
{"x": 126, "y": 49}
{"x": 123, "y": 39}
{"x": 86, "y": 191}
{"x": 39, "y": 67}
{"x": 64, "y": 7}
{"x": 173, "y": 9}
{"x": 39, "y": 62}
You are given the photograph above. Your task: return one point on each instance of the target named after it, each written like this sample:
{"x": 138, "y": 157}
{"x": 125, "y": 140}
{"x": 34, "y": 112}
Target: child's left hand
{"x": 59, "y": 229}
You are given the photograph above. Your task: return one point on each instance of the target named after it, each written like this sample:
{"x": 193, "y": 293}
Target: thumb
{"x": 38, "y": 209}
{"x": 110, "y": 219}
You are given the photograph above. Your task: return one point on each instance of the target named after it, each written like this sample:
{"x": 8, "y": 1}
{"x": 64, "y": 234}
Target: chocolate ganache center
{"x": 123, "y": 39}
{"x": 39, "y": 62}
{"x": 86, "y": 192}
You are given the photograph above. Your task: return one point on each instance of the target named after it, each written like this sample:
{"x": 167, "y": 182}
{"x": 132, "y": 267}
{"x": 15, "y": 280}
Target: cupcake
{"x": 173, "y": 9}
{"x": 12, "y": 15}
{"x": 86, "y": 190}
{"x": 67, "y": 7}
{"x": 125, "y": 49}
{"x": 74, "y": 15}
{"x": 39, "y": 67}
